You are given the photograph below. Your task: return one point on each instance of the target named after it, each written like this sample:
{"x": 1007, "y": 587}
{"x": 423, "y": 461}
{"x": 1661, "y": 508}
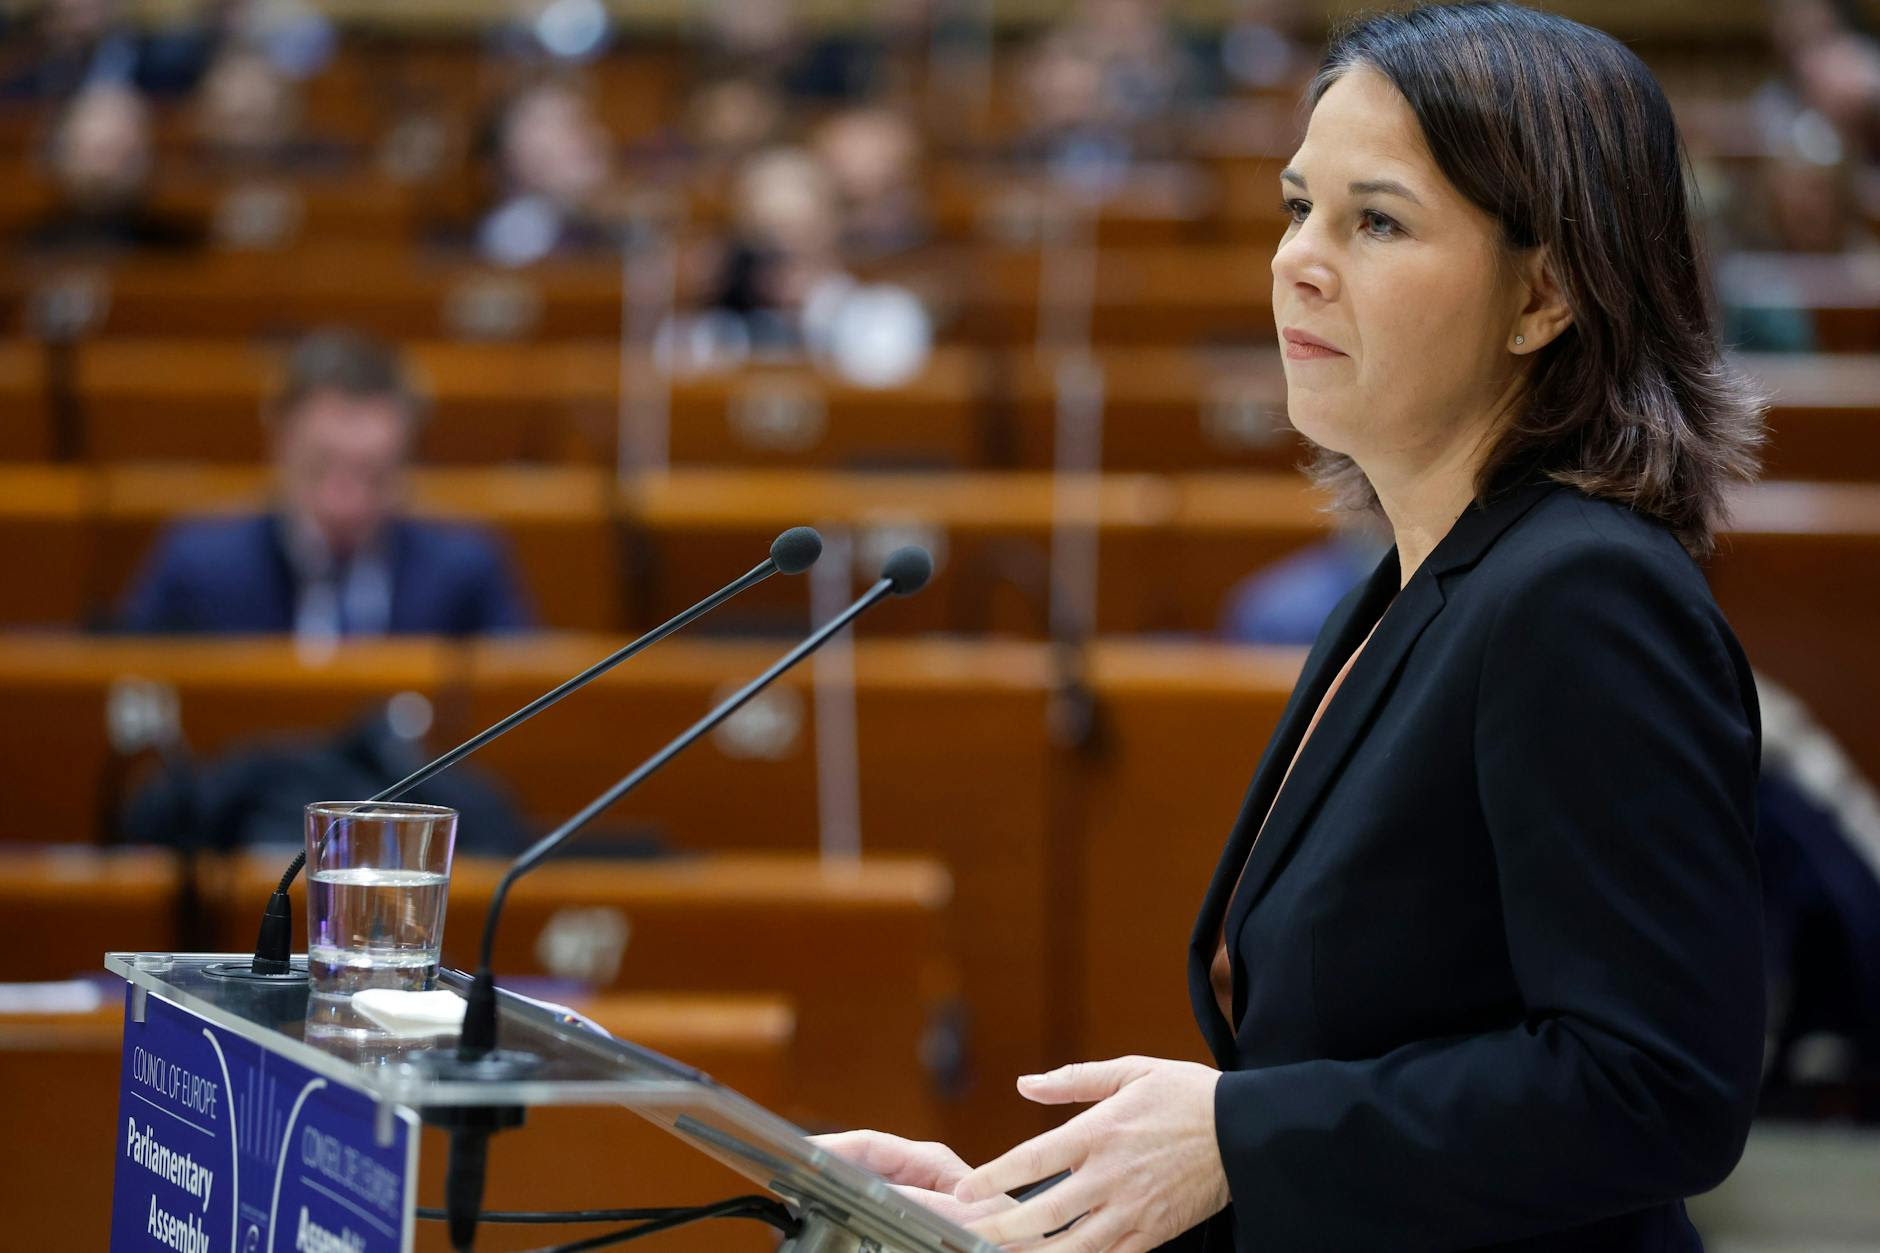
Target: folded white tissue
{"x": 410, "y": 1013}
{"x": 439, "y": 1011}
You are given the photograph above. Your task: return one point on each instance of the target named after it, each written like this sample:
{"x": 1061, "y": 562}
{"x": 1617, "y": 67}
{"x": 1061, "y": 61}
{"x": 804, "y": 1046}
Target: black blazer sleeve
{"x": 1615, "y": 750}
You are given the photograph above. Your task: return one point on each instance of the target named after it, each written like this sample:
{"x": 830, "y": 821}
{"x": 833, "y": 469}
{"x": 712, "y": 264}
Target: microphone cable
{"x": 647, "y": 1221}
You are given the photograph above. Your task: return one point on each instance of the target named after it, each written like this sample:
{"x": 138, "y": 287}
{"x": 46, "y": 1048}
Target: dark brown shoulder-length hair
{"x": 1561, "y": 134}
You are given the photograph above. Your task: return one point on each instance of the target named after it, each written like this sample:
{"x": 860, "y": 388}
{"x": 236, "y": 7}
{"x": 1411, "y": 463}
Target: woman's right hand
{"x": 920, "y": 1170}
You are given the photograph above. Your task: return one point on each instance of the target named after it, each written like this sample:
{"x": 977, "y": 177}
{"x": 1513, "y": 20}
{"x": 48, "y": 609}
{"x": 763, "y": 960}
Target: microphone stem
{"x": 476, "y": 1033}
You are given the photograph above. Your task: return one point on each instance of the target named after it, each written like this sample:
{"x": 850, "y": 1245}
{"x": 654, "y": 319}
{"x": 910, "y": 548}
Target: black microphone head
{"x": 796, "y": 550}
{"x": 908, "y": 569}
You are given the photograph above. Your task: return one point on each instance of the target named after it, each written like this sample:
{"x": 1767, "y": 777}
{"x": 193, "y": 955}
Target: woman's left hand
{"x": 1144, "y": 1161}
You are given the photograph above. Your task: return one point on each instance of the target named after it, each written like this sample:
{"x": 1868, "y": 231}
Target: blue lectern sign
{"x": 224, "y": 1146}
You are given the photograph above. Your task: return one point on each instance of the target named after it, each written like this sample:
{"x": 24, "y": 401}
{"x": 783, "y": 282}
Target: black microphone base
{"x": 243, "y": 971}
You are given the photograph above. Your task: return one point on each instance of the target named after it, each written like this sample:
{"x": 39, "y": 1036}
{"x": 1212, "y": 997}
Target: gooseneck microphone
{"x": 905, "y": 572}
{"x": 792, "y": 552}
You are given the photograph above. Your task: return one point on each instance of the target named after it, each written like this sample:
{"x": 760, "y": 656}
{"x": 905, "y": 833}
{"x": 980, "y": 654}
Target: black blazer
{"x": 1498, "y": 953}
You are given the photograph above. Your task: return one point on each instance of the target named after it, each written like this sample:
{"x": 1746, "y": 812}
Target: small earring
{"x": 1520, "y": 339}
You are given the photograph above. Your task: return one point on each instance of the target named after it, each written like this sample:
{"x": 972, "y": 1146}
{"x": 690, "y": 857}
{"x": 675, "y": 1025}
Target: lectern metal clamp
{"x": 823, "y": 1234}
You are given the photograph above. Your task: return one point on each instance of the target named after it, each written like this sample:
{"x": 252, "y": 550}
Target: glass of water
{"x": 377, "y": 878}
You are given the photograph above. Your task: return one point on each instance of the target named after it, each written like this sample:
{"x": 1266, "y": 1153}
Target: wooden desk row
{"x": 1162, "y": 409}
{"x": 1169, "y": 549}
{"x": 374, "y": 83}
{"x": 267, "y": 211}
{"x": 391, "y": 291}
{"x": 594, "y": 557}
{"x": 349, "y": 202}
{"x": 777, "y": 925}
{"x": 990, "y": 294}
{"x": 1150, "y": 294}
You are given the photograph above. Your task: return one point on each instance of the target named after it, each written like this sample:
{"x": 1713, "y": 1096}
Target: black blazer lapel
{"x": 1338, "y": 732}
{"x": 1402, "y": 622}
{"x": 1340, "y": 634}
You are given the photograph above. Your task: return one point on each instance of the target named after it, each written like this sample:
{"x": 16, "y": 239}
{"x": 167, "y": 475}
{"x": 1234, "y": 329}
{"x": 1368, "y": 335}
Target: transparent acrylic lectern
{"x": 842, "y": 1207}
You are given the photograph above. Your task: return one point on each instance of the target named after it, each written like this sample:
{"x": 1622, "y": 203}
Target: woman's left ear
{"x": 1545, "y": 314}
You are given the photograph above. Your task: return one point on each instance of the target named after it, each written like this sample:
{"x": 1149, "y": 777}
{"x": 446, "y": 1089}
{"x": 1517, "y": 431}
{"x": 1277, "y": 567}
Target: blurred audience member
{"x": 1146, "y": 71}
{"x": 1811, "y": 144}
{"x": 767, "y": 40}
{"x": 1798, "y": 204}
{"x": 873, "y": 157}
{"x": 552, "y": 32}
{"x": 335, "y": 555}
{"x": 296, "y": 37}
{"x": 783, "y": 250}
{"x": 71, "y": 45}
{"x": 1285, "y": 603}
{"x": 248, "y": 118}
{"x": 255, "y": 793}
{"x": 1067, "y": 126}
{"x": 1265, "y": 47}
{"x": 751, "y": 38}
{"x": 1818, "y": 847}
{"x": 1103, "y": 89}
{"x": 727, "y": 120}
{"x": 1831, "y": 67}
{"x": 780, "y": 287}
{"x": 555, "y": 179}
{"x": 101, "y": 158}
{"x": 249, "y": 140}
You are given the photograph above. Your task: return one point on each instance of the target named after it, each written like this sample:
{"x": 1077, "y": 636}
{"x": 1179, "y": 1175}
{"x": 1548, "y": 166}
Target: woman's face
{"x": 1407, "y": 282}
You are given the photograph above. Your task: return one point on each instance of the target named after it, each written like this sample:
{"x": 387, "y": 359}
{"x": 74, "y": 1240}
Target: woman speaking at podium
{"x": 1480, "y": 967}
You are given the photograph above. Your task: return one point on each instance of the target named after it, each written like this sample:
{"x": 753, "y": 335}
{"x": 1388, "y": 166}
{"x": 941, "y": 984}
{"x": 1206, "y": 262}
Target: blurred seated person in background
{"x": 62, "y": 47}
{"x": 554, "y": 178}
{"x": 254, "y": 793}
{"x": 1811, "y": 127}
{"x": 726, "y": 121}
{"x": 1285, "y": 604}
{"x": 769, "y": 41}
{"x": 1797, "y": 202}
{"x": 294, "y": 35}
{"x": 779, "y": 286}
{"x": 873, "y": 157}
{"x": 1266, "y": 47}
{"x": 1829, "y": 66}
{"x": 334, "y": 555}
{"x": 1103, "y": 89}
{"x": 1816, "y": 119}
{"x": 1818, "y": 847}
{"x": 101, "y": 159}
{"x": 548, "y": 32}
{"x": 248, "y": 119}
{"x": 782, "y": 254}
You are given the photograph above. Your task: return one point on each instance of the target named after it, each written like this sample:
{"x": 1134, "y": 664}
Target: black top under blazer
{"x": 1498, "y": 953}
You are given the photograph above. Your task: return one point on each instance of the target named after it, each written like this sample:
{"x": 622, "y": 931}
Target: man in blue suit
{"x": 334, "y": 555}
